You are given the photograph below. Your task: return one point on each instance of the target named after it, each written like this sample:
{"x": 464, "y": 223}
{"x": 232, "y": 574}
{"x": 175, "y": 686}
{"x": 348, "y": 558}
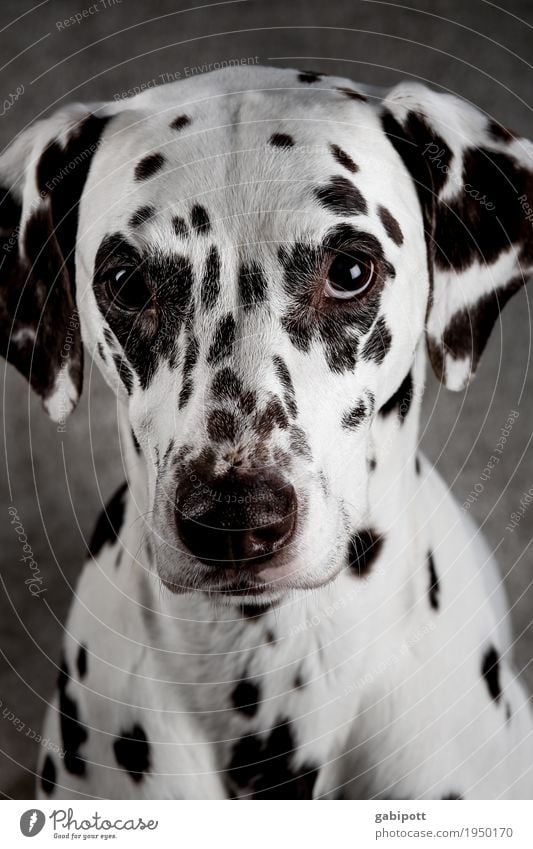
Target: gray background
{"x": 58, "y": 481}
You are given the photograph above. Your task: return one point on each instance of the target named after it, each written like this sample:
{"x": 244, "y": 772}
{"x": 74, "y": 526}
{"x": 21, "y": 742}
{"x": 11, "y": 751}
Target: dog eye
{"x": 128, "y": 290}
{"x": 349, "y": 275}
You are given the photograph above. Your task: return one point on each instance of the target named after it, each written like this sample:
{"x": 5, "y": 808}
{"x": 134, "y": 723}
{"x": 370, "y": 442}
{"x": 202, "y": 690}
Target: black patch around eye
{"x": 343, "y": 158}
{"x": 73, "y": 734}
{"x": 341, "y": 197}
{"x": 149, "y": 166}
{"x": 400, "y": 401}
{"x": 224, "y": 340}
{"x": 189, "y": 362}
{"x": 200, "y": 219}
{"x": 142, "y": 215}
{"x": 392, "y": 228}
{"x": 180, "y": 122}
{"x": 252, "y": 285}
{"x": 81, "y": 662}
{"x": 378, "y": 344}
{"x": 222, "y": 426}
{"x": 289, "y": 395}
{"x": 353, "y": 418}
{"x": 309, "y": 77}
{"x": 48, "y": 776}
{"x": 109, "y": 522}
{"x": 363, "y": 549}
{"x": 352, "y": 94}
{"x": 434, "y": 584}
{"x": 180, "y": 226}
{"x": 246, "y": 697}
{"x": 490, "y": 669}
{"x": 132, "y": 752}
{"x": 124, "y": 372}
{"x": 226, "y": 385}
{"x": 210, "y": 286}
{"x": 281, "y": 140}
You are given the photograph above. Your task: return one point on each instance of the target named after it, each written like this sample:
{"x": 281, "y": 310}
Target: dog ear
{"x": 475, "y": 184}
{"x": 42, "y": 175}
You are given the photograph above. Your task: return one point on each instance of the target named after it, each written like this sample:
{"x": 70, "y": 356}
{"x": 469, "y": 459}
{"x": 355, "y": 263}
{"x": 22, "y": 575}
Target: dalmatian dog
{"x": 283, "y": 600}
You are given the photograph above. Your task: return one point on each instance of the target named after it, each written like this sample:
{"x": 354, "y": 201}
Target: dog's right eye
{"x": 127, "y": 290}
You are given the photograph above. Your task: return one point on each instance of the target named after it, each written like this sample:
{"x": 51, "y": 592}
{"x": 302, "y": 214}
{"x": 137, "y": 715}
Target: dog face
{"x": 258, "y": 255}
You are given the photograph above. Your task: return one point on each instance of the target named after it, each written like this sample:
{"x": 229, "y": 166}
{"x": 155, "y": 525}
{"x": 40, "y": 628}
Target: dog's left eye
{"x": 349, "y": 275}
{"x": 128, "y": 290}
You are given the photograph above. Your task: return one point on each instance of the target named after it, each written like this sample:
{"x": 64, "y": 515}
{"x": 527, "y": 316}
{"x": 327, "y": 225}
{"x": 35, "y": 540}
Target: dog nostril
{"x": 236, "y": 520}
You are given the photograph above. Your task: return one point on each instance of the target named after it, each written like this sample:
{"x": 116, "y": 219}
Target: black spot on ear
{"x": 189, "y": 362}
{"x": 252, "y": 285}
{"x": 180, "y": 122}
{"x": 73, "y": 734}
{"x": 132, "y": 752}
{"x": 343, "y": 158}
{"x": 490, "y": 670}
{"x": 363, "y": 549}
{"x": 341, "y": 197}
{"x": 451, "y": 795}
{"x": 224, "y": 340}
{"x": 200, "y": 219}
{"x": 142, "y": 215}
{"x": 222, "y": 426}
{"x": 289, "y": 395}
{"x": 309, "y": 77}
{"x": 180, "y": 226}
{"x": 352, "y": 94}
{"x": 400, "y": 401}
{"x": 434, "y": 584}
{"x": 210, "y": 287}
{"x": 392, "y": 228}
{"x": 149, "y": 166}
{"x": 48, "y": 776}
{"x": 81, "y": 662}
{"x": 353, "y": 417}
{"x": 378, "y": 344}
{"x": 281, "y": 140}
{"x": 109, "y": 522}
{"x": 246, "y": 697}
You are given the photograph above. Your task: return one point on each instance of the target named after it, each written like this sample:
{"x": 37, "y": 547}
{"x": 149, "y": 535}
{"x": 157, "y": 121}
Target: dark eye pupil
{"x": 348, "y": 273}
{"x": 129, "y": 290}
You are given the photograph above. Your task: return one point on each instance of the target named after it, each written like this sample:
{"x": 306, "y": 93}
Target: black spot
{"x": 508, "y": 712}
{"x": 200, "y": 219}
{"x": 180, "y": 122}
{"x": 273, "y": 415}
{"x": 353, "y": 418}
{"x": 254, "y": 611}
{"x": 189, "y": 362}
{"x": 434, "y": 584}
{"x": 285, "y": 379}
{"x": 451, "y": 795}
{"x": 281, "y": 140}
{"x": 298, "y": 683}
{"x": 48, "y": 776}
{"x": 73, "y": 734}
{"x": 81, "y": 662}
{"x": 101, "y": 352}
{"x": 392, "y": 228}
{"x": 500, "y": 133}
{"x": 490, "y": 670}
{"x": 299, "y": 443}
{"x": 378, "y": 344}
{"x": 132, "y": 752}
{"x": 309, "y": 77}
{"x": 124, "y": 372}
{"x": 109, "y": 522}
{"x": 352, "y": 94}
{"x": 180, "y": 226}
{"x": 363, "y": 549}
{"x": 400, "y": 401}
{"x": 252, "y": 285}
{"x": 108, "y": 336}
{"x": 265, "y": 769}
{"x": 343, "y": 158}
{"x": 142, "y": 215}
{"x": 341, "y": 197}
{"x": 224, "y": 340}
{"x": 211, "y": 279}
{"x": 418, "y": 467}
{"x": 372, "y": 464}
{"x": 136, "y": 445}
{"x": 226, "y": 385}
{"x": 149, "y": 166}
{"x": 222, "y": 426}
{"x": 246, "y": 698}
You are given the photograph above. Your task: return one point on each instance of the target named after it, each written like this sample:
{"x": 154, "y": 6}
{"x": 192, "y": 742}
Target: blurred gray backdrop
{"x": 57, "y": 482}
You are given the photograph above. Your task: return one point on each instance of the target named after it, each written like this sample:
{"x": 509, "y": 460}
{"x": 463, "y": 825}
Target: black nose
{"x": 235, "y": 520}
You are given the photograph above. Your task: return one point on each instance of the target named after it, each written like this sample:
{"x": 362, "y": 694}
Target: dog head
{"x": 253, "y": 258}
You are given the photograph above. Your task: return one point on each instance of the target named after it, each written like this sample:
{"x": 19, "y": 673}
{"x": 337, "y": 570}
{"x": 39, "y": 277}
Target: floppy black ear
{"x": 475, "y": 184}
{"x": 42, "y": 175}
